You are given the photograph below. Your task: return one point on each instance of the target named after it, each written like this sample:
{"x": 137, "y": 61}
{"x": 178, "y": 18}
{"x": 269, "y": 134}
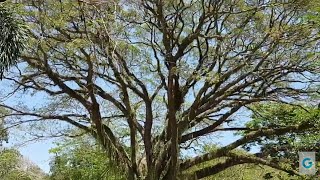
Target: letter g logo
{"x": 307, "y": 163}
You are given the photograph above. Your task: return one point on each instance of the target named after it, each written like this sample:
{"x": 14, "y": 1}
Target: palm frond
{"x": 12, "y": 37}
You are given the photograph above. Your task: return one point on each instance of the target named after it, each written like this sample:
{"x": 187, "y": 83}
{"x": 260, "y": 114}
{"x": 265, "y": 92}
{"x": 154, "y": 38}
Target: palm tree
{"x": 12, "y": 37}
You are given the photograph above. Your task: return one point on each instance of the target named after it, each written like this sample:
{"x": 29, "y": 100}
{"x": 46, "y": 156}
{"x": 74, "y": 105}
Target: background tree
{"x": 285, "y": 148}
{"x": 157, "y": 80}
{"x": 82, "y": 159}
{"x": 13, "y": 166}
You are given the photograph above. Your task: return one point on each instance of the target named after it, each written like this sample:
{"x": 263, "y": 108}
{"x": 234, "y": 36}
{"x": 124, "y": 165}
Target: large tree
{"x": 156, "y": 76}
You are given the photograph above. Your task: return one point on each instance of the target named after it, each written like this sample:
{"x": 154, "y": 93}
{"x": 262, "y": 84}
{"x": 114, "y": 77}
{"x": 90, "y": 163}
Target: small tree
{"x": 156, "y": 76}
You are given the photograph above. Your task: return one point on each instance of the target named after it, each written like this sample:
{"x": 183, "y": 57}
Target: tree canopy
{"x": 150, "y": 80}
